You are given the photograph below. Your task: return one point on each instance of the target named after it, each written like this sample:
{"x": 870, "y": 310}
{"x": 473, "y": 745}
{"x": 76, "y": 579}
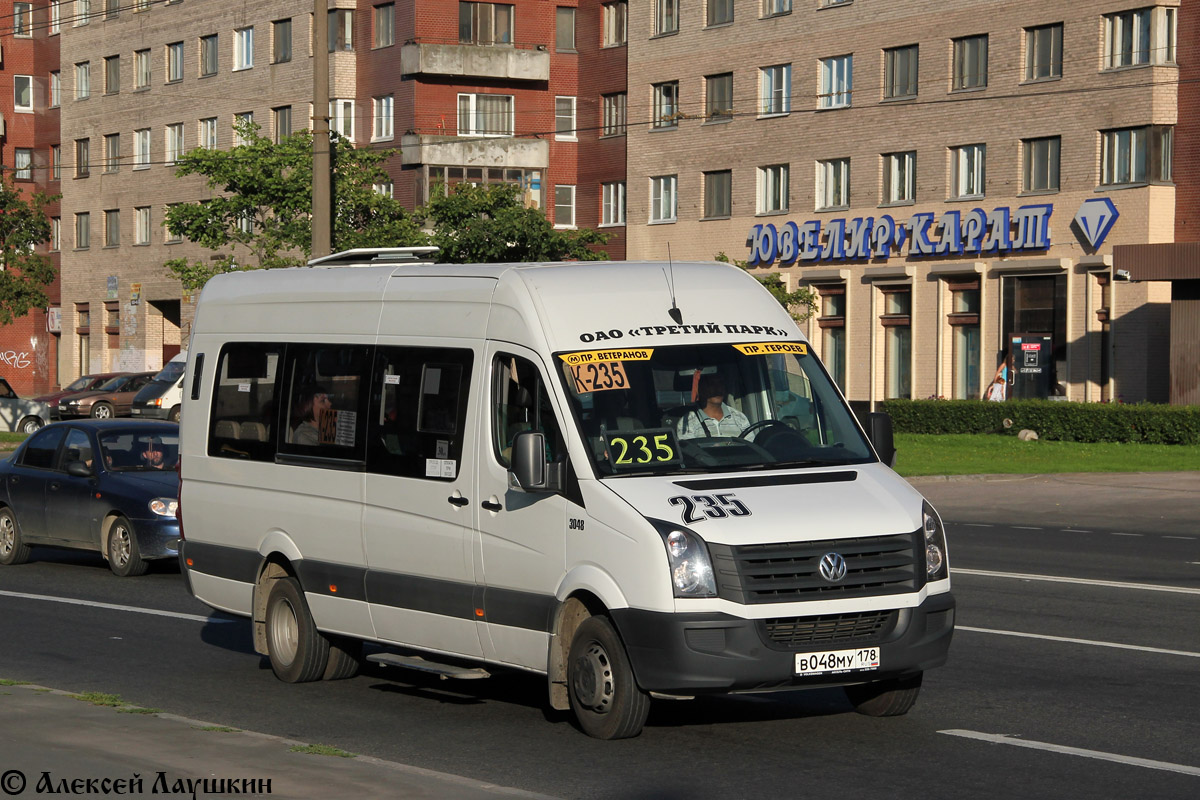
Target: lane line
{"x": 113, "y": 607}
{"x": 975, "y": 524}
{"x": 1127, "y": 534}
{"x": 1026, "y": 528}
{"x": 1089, "y": 642}
{"x": 1185, "y": 538}
{"x": 998, "y": 738}
{"x": 1149, "y": 587}
{"x": 1074, "y": 530}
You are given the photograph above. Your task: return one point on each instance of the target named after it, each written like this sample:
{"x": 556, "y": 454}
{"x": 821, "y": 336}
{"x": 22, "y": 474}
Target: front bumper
{"x": 157, "y": 538}
{"x": 149, "y": 412}
{"x": 698, "y": 653}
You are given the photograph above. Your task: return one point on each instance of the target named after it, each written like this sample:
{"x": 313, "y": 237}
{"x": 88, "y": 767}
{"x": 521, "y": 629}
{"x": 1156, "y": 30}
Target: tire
{"x": 604, "y": 695}
{"x": 12, "y": 549}
{"x": 30, "y": 425}
{"x": 345, "y": 655}
{"x": 102, "y": 411}
{"x": 297, "y": 650}
{"x": 890, "y": 698}
{"x": 174, "y": 415}
{"x": 123, "y": 557}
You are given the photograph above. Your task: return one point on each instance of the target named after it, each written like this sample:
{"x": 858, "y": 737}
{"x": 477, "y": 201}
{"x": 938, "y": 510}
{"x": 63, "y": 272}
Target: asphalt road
{"x": 1073, "y": 674}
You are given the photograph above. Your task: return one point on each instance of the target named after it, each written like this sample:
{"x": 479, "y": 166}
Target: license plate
{"x": 833, "y": 662}
{"x": 137, "y": 412}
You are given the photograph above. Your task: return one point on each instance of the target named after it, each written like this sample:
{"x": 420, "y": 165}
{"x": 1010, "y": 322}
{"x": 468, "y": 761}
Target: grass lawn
{"x": 956, "y": 454}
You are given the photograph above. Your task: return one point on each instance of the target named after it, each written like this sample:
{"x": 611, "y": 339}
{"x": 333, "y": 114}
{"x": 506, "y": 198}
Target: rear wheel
{"x": 30, "y": 425}
{"x": 12, "y": 549}
{"x": 123, "y": 557}
{"x": 102, "y": 411}
{"x": 297, "y": 650}
{"x": 174, "y": 415}
{"x": 344, "y": 658}
{"x": 604, "y": 695}
{"x": 890, "y": 698}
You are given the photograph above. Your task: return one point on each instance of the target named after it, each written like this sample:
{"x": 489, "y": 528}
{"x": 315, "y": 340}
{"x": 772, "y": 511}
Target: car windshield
{"x": 113, "y": 384}
{"x": 171, "y": 372}
{"x": 139, "y": 450}
{"x": 709, "y": 408}
{"x": 79, "y": 384}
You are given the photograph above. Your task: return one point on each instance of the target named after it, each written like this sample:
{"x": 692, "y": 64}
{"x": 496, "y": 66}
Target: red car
{"x": 84, "y": 383}
{"x": 111, "y": 399}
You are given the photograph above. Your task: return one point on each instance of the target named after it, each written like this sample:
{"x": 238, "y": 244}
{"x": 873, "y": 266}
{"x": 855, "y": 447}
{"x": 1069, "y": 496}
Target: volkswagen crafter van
{"x": 162, "y": 398}
{"x": 475, "y": 467}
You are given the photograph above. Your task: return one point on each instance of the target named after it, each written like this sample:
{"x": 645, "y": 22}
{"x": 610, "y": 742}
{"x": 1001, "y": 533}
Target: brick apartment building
{"x": 946, "y": 176}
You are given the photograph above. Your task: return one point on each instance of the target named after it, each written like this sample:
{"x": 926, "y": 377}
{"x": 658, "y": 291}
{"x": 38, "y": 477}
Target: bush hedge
{"x": 1067, "y": 422}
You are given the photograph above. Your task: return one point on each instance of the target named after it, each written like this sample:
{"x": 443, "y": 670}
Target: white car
{"x": 21, "y": 414}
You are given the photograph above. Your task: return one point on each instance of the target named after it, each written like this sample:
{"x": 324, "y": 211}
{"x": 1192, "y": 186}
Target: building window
{"x": 112, "y": 228}
{"x": 775, "y": 89}
{"x": 55, "y": 17}
{"x": 141, "y": 148}
{"x": 1144, "y": 36}
{"x": 662, "y": 198}
{"x": 22, "y": 20}
{"x": 281, "y": 41}
{"x": 23, "y": 92}
{"x": 837, "y": 78}
{"x": 968, "y": 170}
{"x": 341, "y": 30}
{"x": 174, "y": 62}
{"x": 112, "y": 152}
{"x": 970, "y": 62}
{"x": 1043, "y": 52}
{"x": 83, "y": 12}
{"x": 900, "y": 72}
{"x": 773, "y": 189}
{"x": 341, "y": 117}
{"x": 141, "y": 225}
{"x": 243, "y": 48}
{"x": 55, "y": 89}
{"x": 244, "y": 120}
{"x": 83, "y": 230}
{"x": 900, "y": 177}
{"x": 773, "y": 8}
{"x": 564, "y": 206}
{"x": 387, "y": 189}
{"x": 564, "y": 29}
{"x": 485, "y": 23}
{"x": 833, "y": 332}
{"x": 897, "y": 325}
{"x": 207, "y": 133}
{"x": 666, "y": 17}
{"x": 833, "y": 184}
{"x": 56, "y": 233}
{"x": 82, "y": 158}
{"x": 23, "y": 164}
{"x": 141, "y": 69}
{"x": 83, "y": 80}
{"x": 281, "y": 122}
{"x": 112, "y": 75}
{"x": 718, "y": 12}
{"x": 385, "y": 25}
{"x": 1041, "y": 157}
{"x": 718, "y": 97}
{"x": 564, "y": 119}
{"x": 666, "y": 105}
{"x": 1036, "y": 304}
{"x": 718, "y": 194}
{"x": 614, "y": 114}
{"x": 1136, "y": 155}
{"x": 964, "y": 320}
{"x": 383, "y": 115}
{"x": 168, "y": 236}
{"x": 55, "y": 162}
{"x": 174, "y": 142}
{"x": 112, "y": 9}
{"x": 485, "y": 115}
{"x": 208, "y": 55}
{"x": 612, "y": 203}
{"x": 616, "y": 24}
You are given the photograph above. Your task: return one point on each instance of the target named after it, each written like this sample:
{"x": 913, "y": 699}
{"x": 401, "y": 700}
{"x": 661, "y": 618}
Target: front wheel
{"x": 12, "y": 549}
{"x": 174, "y": 415}
{"x": 123, "y": 557}
{"x": 102, "y": 411}
{"x": 297, "y": 650}
{"x": 890, "y": 698}
{"x": 30, "y": 425}
{"x": 604, "y": 694}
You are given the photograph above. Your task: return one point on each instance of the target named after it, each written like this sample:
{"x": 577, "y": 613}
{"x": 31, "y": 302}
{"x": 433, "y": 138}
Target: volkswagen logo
{"x": 833, "y": 567}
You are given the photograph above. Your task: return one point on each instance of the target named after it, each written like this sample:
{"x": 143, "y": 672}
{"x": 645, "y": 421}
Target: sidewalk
{"x": 61, "y": 743}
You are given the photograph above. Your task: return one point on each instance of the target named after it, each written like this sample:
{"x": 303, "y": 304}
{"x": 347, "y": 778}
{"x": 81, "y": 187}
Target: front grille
{"x": 859, "y": 628}
{"x": 788, "y": 572}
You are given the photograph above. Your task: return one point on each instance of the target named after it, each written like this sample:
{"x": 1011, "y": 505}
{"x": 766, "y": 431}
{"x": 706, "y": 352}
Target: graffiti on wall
{"x": 14, "y": 359}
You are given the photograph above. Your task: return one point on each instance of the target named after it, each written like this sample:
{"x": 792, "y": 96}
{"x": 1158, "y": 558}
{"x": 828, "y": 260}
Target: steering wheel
{"x": 763, "y": 424}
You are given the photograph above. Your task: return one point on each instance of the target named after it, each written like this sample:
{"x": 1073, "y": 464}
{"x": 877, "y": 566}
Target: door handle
{"x": 492, "y": 505}
{"x": 458, "y": 500}
{"x": 55, "y": 486}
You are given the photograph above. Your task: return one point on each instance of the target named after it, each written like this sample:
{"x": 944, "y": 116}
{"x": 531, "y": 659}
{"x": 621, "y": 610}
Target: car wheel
{"x": 890, "y": 698}
{"x": 174, "y": 415}
{"x": 604, "y": 694}
{"x": 297, "y": 650}
{"x": 123, "y": 557}
{"x": 102, "y": 411}
{"x": 12, "y": 549}
{"x": 345, "y": 655}
{"x": 30, "y": 425}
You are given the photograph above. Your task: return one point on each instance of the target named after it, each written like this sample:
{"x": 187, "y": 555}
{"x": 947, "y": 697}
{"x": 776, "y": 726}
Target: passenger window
{"x": 326, "y": 400}
{"x": 522, "y": 403}
{"x": 42, "y": 446}
{"x": 421, "y": 412}
{"x": 77, "y": 448}
{"x": 244, "y": 406}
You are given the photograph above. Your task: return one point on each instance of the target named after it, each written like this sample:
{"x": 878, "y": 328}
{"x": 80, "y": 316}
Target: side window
{"x": 77, "y": 448}
{"x": 521, "y": 402}
{"x": 42, "y": 446}
{"x": 421, "y": 414}
{"x": 6, "y": 390}
{"x": 244, "y": 414}
{"x": 326, "y": 395}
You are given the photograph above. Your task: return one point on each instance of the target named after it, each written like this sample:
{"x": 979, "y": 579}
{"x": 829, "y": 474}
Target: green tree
{"x": 259, "y": 215}
{"x": 481, "y": 224}
{"x": 24, "y": 274}
{"x": 801, "y": 304}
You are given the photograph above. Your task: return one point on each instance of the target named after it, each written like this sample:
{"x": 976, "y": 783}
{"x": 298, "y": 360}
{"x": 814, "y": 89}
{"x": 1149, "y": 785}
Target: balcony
{"x": 503, "y": 62}
{"x": 474, "y": 151}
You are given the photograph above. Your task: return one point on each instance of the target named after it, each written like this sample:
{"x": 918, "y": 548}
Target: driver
{"x": 713, "y": 417}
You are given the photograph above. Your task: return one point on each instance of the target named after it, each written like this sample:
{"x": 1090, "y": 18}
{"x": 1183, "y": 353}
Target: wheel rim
{"x": 102, "y": 412}
{"x": 119, "y": 549}
{"x": 592, "y": 680}
{"x": 285, "y": 632}
{"x": 8, "y": 535}
{"x": 31, "y": 426}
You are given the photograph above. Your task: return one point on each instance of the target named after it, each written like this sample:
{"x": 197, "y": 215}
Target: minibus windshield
{"x": 171, "y": 372}
{"x": 709, "y": 408}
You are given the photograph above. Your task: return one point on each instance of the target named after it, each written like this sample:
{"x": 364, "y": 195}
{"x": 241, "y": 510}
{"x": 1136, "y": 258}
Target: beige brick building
{"x": 980, "y": 129}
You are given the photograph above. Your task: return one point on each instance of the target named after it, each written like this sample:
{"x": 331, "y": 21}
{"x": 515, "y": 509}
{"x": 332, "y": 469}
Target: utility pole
{"x": 322, "y": 223}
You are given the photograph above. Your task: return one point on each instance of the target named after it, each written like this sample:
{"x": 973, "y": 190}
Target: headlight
{"x": 691, "y": 568}
{"x": 164, "y": 506}
{"x": 936, "y": 566}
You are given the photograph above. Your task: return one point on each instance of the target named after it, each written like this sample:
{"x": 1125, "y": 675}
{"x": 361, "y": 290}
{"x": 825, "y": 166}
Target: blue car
{"x": 104, "y": 485}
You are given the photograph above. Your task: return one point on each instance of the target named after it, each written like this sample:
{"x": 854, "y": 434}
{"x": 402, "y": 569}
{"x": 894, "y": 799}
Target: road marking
{"x": 113, "y": 607}
{"x": 1149, "y": 587}
{"x": 1074, "y": 530}
{"x": 1025, "y": 528}
{"x": 976, "y": 525}
{"x": 997, "y": 738}
{"x": 1185, "y": 538}
{"x": 1128, "y": 534}
{"x": 1090, "y": 642}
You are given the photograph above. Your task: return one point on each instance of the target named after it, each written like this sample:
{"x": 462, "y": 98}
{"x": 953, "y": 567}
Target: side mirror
{"x": 529, "y": 467}
{"x": 79, "y": 469}
{"x": 879, "y": 429}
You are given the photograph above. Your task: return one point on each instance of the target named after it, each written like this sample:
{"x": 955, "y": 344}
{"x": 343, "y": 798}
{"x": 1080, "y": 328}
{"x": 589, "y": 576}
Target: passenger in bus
{"x": 712, "y": 416}
{"x": 314, "y": 401}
